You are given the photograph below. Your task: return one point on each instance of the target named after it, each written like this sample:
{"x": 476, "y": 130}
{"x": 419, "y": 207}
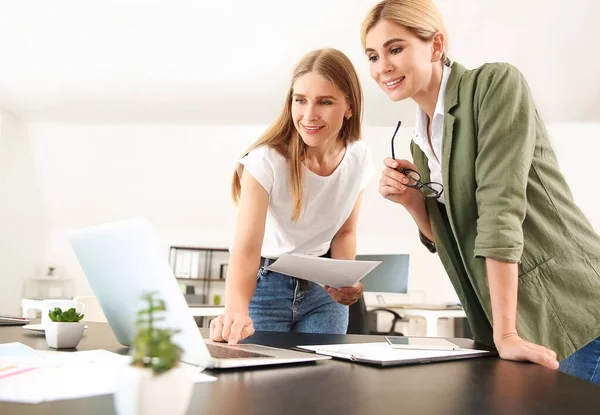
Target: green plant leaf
{"x": 152, "y": 347}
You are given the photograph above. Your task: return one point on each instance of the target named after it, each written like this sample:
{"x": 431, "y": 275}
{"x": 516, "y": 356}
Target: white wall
{"x": 578, "y": 147}
{"x": 23, "y": 222}
{"x": 59, "y": 176}
{"x": 203, "y": 61}
{"x": 178, "y": 176}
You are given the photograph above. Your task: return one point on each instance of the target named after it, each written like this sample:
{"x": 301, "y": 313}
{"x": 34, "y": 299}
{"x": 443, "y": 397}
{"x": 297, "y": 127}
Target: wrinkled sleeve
{"x": 505, "y": 146}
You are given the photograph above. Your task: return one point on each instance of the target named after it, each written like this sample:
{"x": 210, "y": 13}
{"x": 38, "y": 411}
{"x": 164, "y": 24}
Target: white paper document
{"x": 34, "y": 377}
{"x": 384, "y": 353}
{"x": 324, "y": 271}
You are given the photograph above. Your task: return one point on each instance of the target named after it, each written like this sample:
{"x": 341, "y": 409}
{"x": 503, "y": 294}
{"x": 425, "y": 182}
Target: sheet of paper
{"x": 325, "y": 271}
{"x": 11, "y": 369}
{"x": 383, "y": 351}
{"x": 18, "y": 350}
{"x": 52, "y": 376}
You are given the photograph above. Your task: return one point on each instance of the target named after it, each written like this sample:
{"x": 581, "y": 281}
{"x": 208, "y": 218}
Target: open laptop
{"x": 123, "y": 260}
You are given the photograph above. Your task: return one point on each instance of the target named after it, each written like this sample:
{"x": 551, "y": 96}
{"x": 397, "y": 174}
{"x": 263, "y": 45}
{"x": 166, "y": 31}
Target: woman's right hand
{"x": 392, "y": 185}
{"x": 231, "y": 327}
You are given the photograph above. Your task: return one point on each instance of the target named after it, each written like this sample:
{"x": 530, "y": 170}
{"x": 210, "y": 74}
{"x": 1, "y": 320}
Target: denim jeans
{"x": 584, "y": 363}
{"x": 283, "y": 303}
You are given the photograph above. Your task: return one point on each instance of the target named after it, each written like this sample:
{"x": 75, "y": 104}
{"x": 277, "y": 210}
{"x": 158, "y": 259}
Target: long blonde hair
{"x": 421, "y": 17}
{"x": 282, "y": 135}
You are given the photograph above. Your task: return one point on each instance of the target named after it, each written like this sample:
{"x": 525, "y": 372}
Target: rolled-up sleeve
{"x": 505, "y": 145}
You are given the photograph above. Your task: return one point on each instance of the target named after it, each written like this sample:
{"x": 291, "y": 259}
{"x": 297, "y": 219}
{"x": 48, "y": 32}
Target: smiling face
{"x": 318, "y": 109}
{"x": 400, "y": 62}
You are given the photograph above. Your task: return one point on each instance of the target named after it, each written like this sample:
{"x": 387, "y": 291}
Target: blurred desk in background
{"x": 431, "y": 313}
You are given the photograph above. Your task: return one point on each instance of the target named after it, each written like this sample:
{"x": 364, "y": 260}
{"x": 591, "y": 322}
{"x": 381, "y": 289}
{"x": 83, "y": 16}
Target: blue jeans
{"x": 584, "y": 363}
{"x": 283, "y": 303}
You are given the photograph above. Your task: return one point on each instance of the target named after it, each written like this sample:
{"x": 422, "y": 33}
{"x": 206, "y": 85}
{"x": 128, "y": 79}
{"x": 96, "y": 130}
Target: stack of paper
{"x": 35, "y": 377}
{"x": 324, "y": 271}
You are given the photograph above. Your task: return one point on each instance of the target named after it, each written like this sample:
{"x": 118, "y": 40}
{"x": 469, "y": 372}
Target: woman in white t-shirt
{"x": 299, "y": 189}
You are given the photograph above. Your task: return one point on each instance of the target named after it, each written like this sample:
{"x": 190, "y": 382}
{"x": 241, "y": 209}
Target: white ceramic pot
{"x": 141, "y": 392}
{"x": 63, "y": 335}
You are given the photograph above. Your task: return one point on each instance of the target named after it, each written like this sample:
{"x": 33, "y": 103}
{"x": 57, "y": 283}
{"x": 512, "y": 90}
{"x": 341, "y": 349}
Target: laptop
{"x": 122, "y": 260}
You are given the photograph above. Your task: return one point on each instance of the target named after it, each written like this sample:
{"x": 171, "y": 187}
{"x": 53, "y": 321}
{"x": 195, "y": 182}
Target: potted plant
{"x": 65, "y": 328}
{"x": 154, "y": 382}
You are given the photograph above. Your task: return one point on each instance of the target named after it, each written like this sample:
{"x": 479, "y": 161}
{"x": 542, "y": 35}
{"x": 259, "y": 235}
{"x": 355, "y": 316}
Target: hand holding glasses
{"x": 432, "y": 190}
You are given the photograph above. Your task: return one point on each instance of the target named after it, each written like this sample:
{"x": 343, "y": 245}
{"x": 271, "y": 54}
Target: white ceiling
{"x": 229, "y": 61}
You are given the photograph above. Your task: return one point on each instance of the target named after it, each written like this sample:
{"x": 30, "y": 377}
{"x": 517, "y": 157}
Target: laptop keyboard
{"x": 222, "y": 352}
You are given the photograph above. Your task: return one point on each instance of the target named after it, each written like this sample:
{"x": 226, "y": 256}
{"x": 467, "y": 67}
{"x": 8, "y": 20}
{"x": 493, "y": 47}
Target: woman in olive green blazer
{"x": 523, "y": 258}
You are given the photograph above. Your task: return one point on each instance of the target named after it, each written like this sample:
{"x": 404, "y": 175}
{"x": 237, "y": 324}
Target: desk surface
{"x": 476, "y": 386}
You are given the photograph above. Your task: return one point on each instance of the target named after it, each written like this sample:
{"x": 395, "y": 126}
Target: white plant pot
{"x": 141, "y": 392}
{"x": 63, "y": 335}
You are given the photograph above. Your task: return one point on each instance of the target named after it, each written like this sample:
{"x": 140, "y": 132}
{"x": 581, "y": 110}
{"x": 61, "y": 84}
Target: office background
{"x": 111, "y": 110}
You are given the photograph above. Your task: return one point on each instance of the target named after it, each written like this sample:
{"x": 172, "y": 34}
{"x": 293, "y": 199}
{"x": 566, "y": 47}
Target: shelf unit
{"x": 200, "y": 269}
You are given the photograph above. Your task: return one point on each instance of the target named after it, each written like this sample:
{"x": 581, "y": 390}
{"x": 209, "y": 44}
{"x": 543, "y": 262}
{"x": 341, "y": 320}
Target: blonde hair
{"x": 282, "y": 135}
{"x": 421, "y": 17}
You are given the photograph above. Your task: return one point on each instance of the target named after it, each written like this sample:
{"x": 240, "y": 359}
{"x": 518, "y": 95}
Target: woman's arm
{"x": 240, "y": 283}
{"x": 506, "y": 139}
{"x": 392, "y": 186}
{"x": 503, "y": 282}
{"x": 343, "y": 246}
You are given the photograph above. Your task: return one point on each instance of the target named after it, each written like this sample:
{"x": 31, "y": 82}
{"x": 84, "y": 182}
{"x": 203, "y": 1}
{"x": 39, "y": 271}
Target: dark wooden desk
{"x": 477, "y": 386}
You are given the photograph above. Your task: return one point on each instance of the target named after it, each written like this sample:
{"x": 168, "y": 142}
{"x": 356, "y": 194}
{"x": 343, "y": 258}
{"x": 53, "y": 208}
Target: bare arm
{"x": 419, "y": 213}
{"x": 240, "y": 284}
{"x": 504, "y": 282}
{"x": 392, "y": 187}
{"x": 343, "y": 246}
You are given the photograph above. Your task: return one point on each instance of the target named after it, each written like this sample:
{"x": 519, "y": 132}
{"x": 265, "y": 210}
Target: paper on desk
{"x": 18, "y": 351}
{"x": 325, "y": 271}
{"x": 381, "y": 351}
{"x": 64, "y": 375}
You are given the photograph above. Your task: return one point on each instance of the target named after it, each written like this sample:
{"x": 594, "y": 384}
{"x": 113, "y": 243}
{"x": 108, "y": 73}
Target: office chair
{"x": 361, "y": 321}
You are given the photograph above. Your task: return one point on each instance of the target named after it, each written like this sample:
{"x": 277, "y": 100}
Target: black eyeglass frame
{"x": 419, "y": 184}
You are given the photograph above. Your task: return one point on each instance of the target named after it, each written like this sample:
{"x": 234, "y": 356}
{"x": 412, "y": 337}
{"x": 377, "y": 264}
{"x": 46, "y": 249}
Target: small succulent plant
{"x": 69, "y": 316}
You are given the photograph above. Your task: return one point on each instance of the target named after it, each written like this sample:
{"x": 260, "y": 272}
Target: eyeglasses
{"x": 432, "y": 190}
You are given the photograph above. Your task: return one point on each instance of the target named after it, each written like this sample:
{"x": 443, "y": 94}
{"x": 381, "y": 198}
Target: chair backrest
{"x": 357, "y": 318}
{"x": 92, "y": 309}
{"x": 361, "y": 321}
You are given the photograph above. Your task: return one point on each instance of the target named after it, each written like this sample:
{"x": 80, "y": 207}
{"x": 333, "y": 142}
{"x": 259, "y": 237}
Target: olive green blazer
{"x": 507, "y": 200}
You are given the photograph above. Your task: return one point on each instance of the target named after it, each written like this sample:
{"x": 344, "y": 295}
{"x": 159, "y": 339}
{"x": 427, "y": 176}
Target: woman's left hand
{"x": 345, "y": 295}
{"x": 513, "y": 347}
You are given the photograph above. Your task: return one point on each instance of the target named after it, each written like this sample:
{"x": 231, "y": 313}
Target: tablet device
{"x": 420, "y": 343}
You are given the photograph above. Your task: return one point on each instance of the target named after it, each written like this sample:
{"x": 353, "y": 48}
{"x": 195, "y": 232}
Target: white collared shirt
{"x": 434, "y": 156}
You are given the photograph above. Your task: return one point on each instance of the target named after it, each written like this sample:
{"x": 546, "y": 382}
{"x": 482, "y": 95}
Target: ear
{"x": 437, "y": 47}
{"x": 348, "y": 113}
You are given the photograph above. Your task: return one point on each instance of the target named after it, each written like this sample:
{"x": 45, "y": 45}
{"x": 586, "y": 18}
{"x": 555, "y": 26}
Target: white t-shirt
{"x": 327, "y": 201}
